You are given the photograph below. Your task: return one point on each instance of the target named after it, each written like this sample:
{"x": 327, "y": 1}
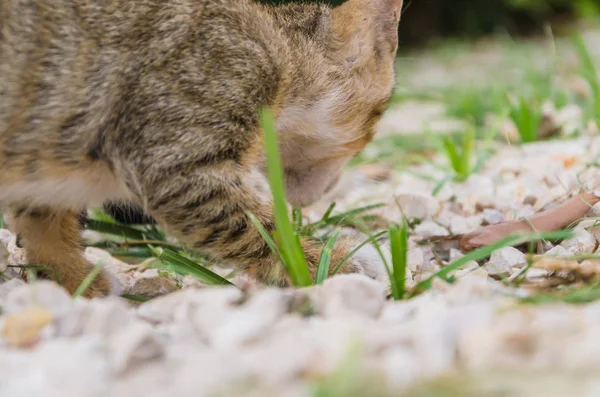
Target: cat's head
{"x": 341, "y": 82}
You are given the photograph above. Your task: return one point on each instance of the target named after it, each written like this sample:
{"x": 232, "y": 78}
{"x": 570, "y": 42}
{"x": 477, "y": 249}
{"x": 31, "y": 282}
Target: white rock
{"x": 368, "y": 261}
{"x": 594, "y": 212}
{"x": 162, "y": 309}
{"x": 133, "y": 345}
{"x": 569, "y": 118}
{"x": 231, "y": 326}
{"x": 116, "y": 269}
{"x": 583, "y": 242}
{"x": 459, "y": 225}
{"x": 558, "y": 251}
{"x": 349, "y": 295}
{"x": 57, "y": 368}
{"x": 504, "y": 260}
{"x": 5, "y": 237}
{"x": 43, "y": 293}
{"x": 416, "y": 205}
{"x": 493, "y": 216}
{"x": 96, "y": 317}
{"x": 429, "y": 229}
{"x": 591, "y": 226}
{"x": 477, "y": 190}
{"x": 414, "y": 259}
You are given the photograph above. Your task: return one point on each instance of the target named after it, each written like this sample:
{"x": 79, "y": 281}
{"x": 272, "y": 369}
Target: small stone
{"x": 504, "y": 260}
{"x": 558, "y": 251}
{"x": 8, "y": 286}
{"x": 22, "y": 329}
{"x": 456, "y": 255}
{"x": 536, "y": 274}
{"x": 430, "y": 267}
{"x": 569, "y": 118}
{"x": 583, "y": 242}
{"x": 5, "y": 237}
{"x": 429, "y": 229}
{"x": 492, "y": 216}
{"x": 590, "y": 267}
{"x": 350, "y": 295}
{"x": 150, "y": 284}
{"x": 42, "y": 293}
{"x": 99, "y": 316}
{"x": 117, "y": 269}
{"x": 187, "y": 314}
{"x": 414, "y": 258}
{"x": 459, "y": 225}
{"x": 8, "y": 245}
{"x": 133, "y": 345}
{"x": 417, "y": 205}
{"x": 591, "y": 226}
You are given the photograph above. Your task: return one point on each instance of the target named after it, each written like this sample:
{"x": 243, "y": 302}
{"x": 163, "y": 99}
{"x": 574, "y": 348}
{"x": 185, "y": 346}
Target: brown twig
{"x": 553, "y": 219}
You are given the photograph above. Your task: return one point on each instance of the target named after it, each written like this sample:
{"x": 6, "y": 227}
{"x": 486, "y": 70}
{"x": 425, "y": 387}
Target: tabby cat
{"x": 155, "y": 102}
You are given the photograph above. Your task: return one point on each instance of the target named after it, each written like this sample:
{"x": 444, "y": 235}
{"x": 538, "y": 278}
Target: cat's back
{"x": 64, "y": 63}
{"x": 80, "y": 78}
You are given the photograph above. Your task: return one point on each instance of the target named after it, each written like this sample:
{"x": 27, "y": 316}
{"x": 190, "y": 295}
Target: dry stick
{"x": 553, "y": 219}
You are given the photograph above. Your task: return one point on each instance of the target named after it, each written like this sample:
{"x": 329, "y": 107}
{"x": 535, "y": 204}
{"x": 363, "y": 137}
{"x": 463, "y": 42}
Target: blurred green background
{"x": 426, "y": 20}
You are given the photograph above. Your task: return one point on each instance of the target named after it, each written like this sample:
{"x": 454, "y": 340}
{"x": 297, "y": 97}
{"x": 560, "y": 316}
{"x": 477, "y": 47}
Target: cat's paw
{"x": 368, "y": 261}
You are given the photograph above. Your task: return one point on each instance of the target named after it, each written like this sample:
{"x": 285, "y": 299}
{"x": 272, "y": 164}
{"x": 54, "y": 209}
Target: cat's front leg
{"x": 208, "y": 208}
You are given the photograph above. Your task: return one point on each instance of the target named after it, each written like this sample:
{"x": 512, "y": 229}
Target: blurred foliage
{"x": 427, "y": 19}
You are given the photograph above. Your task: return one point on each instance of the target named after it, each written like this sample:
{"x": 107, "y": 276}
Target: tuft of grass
{"x": 590, "y": 74}
{"x": 527, "y": 118}
{"x": 146, "y": 242}
{"x": 484, "y": 252}
{"x": 347, "y": 218}
{"x": 174, "y": 262}
{"x": 289, "y": 241}
{"x": 399, "y": 246}
{"x": 461, "y": 158}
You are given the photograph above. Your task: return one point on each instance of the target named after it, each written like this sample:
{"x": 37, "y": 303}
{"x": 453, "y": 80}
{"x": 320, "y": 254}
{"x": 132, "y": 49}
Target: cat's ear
{"x": 360, "y": 27}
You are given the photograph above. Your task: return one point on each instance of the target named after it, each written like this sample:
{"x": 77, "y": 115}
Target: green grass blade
{"x": 336, "y": 219}
{"x": 265, "y": 235}
{"x": 484, "y": 252}
{"x": 527, "y": 119}
{"x": 137, "y": 298}
{"x": 325, "y": 259}
{"x": 182, "y": 265}
{"x": 328, "y": 212}
{"x": 452, "y": 154}
{"x": 115, "y": 229}
{"x": 291, "y": 250}
{"x": 87, "y": 281}
{"x": 399, "y": 248}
